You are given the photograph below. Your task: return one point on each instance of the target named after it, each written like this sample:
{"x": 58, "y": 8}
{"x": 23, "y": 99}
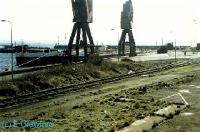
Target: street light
{"x": 172, "y": 32}
{"x": 117, "y": 42}
{"x": 175, "y": 48}
{"x": 11, "y": 43}
{"x": 195, "y": 22}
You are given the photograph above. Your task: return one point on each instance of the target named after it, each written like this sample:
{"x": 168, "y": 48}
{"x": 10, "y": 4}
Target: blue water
{"x": 6, "y": 61}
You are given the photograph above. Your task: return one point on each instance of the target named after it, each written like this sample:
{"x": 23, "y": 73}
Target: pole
{"x": 65, "y": 38}
{"x": 175, "y": 48}
{"x": 12, "y": 50}
{"x": 196, "y": 22}
{"x": 58, "y": 40}
{"x": 118, "y": 43}
{"x": 11, "y": 45}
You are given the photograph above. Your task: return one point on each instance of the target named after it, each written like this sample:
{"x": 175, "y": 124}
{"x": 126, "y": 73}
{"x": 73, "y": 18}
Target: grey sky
{"x": 44, "y": 20}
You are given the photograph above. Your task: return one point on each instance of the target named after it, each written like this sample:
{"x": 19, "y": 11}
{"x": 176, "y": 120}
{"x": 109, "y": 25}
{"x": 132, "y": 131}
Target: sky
{"x": 154, "y": 20}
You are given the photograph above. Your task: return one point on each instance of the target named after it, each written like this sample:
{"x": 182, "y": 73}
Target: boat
{"x": 34, "y": 56}
{"x": 6, "y": 49}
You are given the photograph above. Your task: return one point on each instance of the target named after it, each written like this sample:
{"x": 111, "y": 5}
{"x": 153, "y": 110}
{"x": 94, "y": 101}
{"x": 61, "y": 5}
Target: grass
{"x": 72, "y": 74}
{"x": 108, "y": 112}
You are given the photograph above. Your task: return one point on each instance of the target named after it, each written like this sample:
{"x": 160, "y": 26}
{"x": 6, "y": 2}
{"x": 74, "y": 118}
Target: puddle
{"x": 184, "y": 91}
{"x": 194, "y": 86}
{"x": 130, "y": 72}
{"x": 139, "y": 122}
{"x": 145, "y": 75}
{"x": 187, "y": 114}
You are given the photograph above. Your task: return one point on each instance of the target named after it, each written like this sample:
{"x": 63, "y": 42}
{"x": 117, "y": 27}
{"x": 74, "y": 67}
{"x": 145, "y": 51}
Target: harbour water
{"x": 5, "y": 61}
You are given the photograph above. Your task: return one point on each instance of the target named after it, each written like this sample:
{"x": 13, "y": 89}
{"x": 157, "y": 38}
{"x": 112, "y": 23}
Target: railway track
{"x": 31, "y": 98}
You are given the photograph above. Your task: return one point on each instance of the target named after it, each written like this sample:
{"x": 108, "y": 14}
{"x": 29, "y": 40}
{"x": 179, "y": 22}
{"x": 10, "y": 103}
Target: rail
{"x": 30, "y": 98}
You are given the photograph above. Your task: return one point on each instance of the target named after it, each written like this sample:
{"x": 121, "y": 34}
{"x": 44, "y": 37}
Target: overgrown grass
{"x": 72, "y": 74}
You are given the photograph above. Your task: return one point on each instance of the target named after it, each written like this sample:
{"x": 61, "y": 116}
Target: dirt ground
{"x": 114, "y": 106}
{"x": 189, "y": 119}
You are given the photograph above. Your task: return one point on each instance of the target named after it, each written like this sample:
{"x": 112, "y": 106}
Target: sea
{"x": 6, "y": 58}
{"x": 6, "y": 61}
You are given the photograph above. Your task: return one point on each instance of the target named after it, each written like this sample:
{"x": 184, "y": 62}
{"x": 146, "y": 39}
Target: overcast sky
{"x": 45, "y": 20}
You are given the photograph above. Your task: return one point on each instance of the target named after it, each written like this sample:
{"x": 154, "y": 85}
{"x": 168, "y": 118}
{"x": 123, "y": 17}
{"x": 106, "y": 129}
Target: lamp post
{"x": 172, "y": 32}
{"x": 195, "y": 22}
{"x": 175, "y": 48}
{"x": 11, "y": 44}
{"x": 162, "y": 41}
{"x": 117, "y": 42}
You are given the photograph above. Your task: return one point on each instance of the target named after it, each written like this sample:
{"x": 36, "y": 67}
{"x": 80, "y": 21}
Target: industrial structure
{"x": 126, "y": 26}
{"x": 82, "y": 16}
